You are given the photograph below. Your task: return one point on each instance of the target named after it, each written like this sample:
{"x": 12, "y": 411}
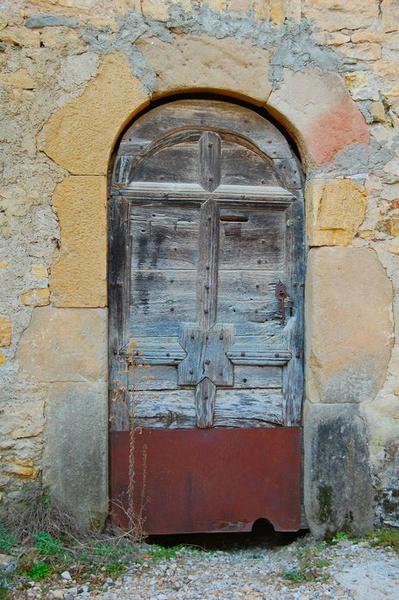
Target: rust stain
{"x": 335, "y": 129}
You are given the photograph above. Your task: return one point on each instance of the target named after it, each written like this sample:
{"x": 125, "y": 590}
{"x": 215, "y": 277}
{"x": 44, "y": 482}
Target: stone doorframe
{"x": 316, "y": 110}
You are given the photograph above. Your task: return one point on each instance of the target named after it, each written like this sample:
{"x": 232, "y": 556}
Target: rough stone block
{"x": 36, "y": 297}
{"x": 318, "y": 110}
{"x": 192, "y": 62}
{"x": 5, "y": 331}
{"x": 65, "y": 345}
{"x": 335, "y": 210}
{"x": 334, "y": 15}
{"x": 20, "y": 36}
{"x": 349, "y": 330}
{"x": 76, "y": 450}
{"x": 79, "y": 276}
{"x": 337, "y": 481}
{"x": 80, "y": 136}
{"x": 20, "y": 79}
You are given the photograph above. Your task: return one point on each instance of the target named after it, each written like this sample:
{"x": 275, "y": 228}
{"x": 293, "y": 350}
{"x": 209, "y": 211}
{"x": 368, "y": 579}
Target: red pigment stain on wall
{"x": 340, "y": 126}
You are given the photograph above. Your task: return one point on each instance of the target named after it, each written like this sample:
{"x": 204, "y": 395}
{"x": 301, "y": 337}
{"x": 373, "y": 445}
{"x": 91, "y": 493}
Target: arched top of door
{"x": 165, "y": 145}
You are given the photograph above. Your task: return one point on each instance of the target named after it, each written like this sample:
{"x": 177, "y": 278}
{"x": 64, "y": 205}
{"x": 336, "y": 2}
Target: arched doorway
{"x": 206, "y": 276}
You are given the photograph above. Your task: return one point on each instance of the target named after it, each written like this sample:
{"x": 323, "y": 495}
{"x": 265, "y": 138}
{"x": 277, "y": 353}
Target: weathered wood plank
{"x": 119, "y": 285}
{"x": 241, "y": 165}
{"x": 206, "y": 355}
{"x": 258, "y": 405}
{"x": 205, "y": 398}
{"x": 207, "y": 275}
{"x": 174, "y": 409}
{"x": 152, "y": 377}
{"x": 209, "y": 161}
{"x": 249, "y": 376}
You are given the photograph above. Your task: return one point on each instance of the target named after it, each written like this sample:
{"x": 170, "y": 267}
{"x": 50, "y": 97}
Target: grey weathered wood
{"x": 192, "y": 270}
{"x": 176, "y": 408}
{"x": 255, "y": 405}
{"x": 152, "y": 377}
{"x": 119, "y": 286}
{"x": 207, "y": 275}
{"x": 209, "y": 160}
{"x": 254, "y": 376}
{"x": 206, "y": 355}
{"x": 205, "y": 399}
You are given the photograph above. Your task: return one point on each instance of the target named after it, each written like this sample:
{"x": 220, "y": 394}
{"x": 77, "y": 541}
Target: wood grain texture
{"x": 206, "y": 217}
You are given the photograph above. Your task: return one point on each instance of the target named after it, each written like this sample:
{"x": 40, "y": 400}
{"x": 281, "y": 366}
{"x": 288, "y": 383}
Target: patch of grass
{"x": 384, "y": 538}
{"x": 166, "y": 552}
{"x": 47, "y": 545}
{"x": 7, "y": 541}
{"x": 340, "y": 536}
{"x": 297, "y": 576}
{"x": 37, "y": 570}
{"x": 311, "y": 566}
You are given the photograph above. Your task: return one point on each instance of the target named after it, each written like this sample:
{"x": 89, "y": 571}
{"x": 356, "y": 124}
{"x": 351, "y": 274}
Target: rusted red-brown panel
{"x": 209, "y": 480}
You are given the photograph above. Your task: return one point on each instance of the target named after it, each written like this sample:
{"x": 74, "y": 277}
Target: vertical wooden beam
{"x": 210, "y": 147}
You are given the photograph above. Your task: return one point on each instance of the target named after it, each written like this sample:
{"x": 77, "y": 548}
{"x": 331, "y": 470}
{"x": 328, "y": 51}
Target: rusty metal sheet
{"x": 208, "y": 480}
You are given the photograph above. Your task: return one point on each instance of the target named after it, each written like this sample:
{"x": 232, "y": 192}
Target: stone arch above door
{"x": 81, "y": 136}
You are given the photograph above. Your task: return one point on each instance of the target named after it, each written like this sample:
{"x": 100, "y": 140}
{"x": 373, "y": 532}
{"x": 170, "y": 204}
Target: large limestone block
{"x": 318, "y": 110}
{"x": 338, "y": 487}
{"x": 335, "y": 210}
{"x": 79, "y": 276}
{"x": 333, "y": 15}
{"x": 64, "y": 344}
{"x": 193, "y": 63}
{"x": 349, "y": 329}
{"x": 81, "y": 135}
{"x": 75, "y": 465}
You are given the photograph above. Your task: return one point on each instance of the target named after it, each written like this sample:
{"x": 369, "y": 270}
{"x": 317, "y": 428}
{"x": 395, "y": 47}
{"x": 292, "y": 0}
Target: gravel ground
{"x": 346, "y": 570}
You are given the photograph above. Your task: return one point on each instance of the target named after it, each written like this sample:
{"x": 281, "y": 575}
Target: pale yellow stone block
{"x": 262, "y": 9}
{"x": 57, "y": 37}
{"x": 79, "y": 277}
{"x": 5, "y": 331}
{"x": 19, "y": 79}
{"x": 334, "y": 15}
{"x": 241, "y": 6}
{"x": 192, "y": 63}
{"x": 64, "y": 344}
{"x": 39, "y": 271}
{"x": 393, "y": 92}
{"x": 20, "y": 36}
{"x": 81, "y": 135}
{"x": 378, "y": 112}
{"x": 217, "y": 5}
{"x": 156, "y": 9}
{"x": 3, "y": 265}
{"x": 394, "y": 226}
{"x": 336, "y": 209}
{"x": 363, "y": 51}
{"x": 36, "y": 297}
{"x": 356, "y": 80}
{"x": 390, "y": 15}
{"x": 366, "y": 35}
{"x": 23, "y": 471}
{"x": 3, "y": 359}
{"x": 349, "y": 327}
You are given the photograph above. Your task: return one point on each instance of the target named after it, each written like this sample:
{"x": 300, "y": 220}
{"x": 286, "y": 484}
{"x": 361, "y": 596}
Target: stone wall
{"x": 73, "y": 74}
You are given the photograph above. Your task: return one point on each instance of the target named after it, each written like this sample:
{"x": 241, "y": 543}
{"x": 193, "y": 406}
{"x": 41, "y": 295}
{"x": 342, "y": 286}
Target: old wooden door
{"x": 206, "y": 279}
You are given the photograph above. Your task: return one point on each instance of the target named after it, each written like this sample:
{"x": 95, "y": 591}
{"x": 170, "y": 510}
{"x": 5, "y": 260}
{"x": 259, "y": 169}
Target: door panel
{"x": 206, "y": 278}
